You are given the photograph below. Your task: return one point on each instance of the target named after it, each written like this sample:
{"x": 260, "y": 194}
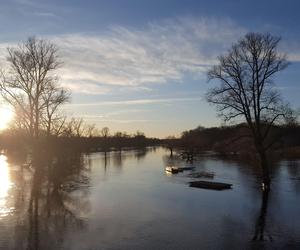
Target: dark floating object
{"x": 202, "y": 174}
{"x": 185, "y": 168}
{"x": 210, "y": 185}
{"x": 297, "y": 178}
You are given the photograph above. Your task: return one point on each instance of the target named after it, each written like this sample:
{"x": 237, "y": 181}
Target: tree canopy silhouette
{"x": 246, "y": 90}
{"x": 30, "y": 85}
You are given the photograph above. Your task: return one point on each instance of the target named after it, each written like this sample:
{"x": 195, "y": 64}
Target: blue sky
{"x": 140, "y": 65}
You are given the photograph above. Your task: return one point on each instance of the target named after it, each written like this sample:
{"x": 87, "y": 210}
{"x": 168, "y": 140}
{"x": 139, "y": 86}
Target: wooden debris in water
{"x": 297, "y": 178}
{"x": 185, "y": 168}
{"x": 202, "y": 174}
{"x": 210, "y": 185}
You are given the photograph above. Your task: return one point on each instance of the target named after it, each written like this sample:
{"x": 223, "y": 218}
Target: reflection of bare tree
{"x": 293, "y": 168}
{"x": 106, "y": 160}
{"x": 260, "y": 226}
{"x": 172, "y": 161}
{"x": 177, "y": 161}
{"x": 141, "y": 153}
{"x": 54, "y": 202}
{"x": 118, "y": 159}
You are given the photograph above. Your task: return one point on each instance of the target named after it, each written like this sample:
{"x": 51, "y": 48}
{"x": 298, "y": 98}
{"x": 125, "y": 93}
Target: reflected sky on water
{"x": 126, "y": 200}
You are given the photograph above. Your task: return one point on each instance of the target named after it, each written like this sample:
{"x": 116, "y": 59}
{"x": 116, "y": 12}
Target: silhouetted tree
{"x": 105, "y": 132}
{"x": 53, "y": 98}
{"x": 171, "y": 143}
{"x": 90, "y": 130}
{"x": 74, "y": 127}
{"x": 30, "y": 84}
{"x": 246, "y": 90}
{"x": 57, "y": 125}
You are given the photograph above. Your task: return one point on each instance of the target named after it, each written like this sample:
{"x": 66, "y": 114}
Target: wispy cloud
{"x": 36, "y": 9}
{"x": 135, "y": 102}
{"x": 158, "y": 53}
{"x": 291, "y": 48}
{"x": 26, "y": 2}
{"x": 125, "y": 121}
{"x": 45, "y": 14}
{"x": 34, "y": 5}
{"x": 78, "y": 86}
{"x": 121, "y": 121}
{"x": 131, "y": 59}
{"x": 109, "y": 114}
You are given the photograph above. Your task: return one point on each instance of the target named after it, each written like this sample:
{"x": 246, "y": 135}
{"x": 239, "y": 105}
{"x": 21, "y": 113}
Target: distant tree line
{"x": 236, "y": 139}
{"x": 80, "y": 137}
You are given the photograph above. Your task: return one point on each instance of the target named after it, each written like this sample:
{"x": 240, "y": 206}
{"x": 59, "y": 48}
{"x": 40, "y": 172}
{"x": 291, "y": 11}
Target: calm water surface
{"x": 127, "y": 201}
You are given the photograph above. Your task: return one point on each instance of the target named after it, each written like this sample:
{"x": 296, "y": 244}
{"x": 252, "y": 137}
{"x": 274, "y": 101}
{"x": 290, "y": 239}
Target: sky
{"x": 141, "y": 65}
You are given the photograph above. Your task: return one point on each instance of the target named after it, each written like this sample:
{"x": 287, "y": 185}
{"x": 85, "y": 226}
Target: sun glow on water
{"x": 5, "y": 185}
{"x": 6, "y": 115}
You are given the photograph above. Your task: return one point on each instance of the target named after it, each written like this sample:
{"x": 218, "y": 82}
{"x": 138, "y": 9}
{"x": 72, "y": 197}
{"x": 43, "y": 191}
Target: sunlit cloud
{"x": 77, "y": 86}
{"x": 160, "y": 52}
{"x": 105, "y": 116}
{"x": 293, "y": 56}
{"x": 291, "y": 48}
{"x": 131, "y": 59}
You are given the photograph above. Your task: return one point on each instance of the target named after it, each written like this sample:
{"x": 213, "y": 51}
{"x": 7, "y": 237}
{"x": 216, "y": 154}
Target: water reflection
{"x": 53, "y": 200}
{"x": 63, "y": 199}
{"x": 260, "y": 226}
{"x": 117, "y": 158}
{"x": 5, "y": 185}
{"x": 140, "y": 154}
{"x": 176, "y": 161}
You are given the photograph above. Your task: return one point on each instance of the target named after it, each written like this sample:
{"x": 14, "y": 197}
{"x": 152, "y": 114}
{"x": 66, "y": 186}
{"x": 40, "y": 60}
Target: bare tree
{"x": 171, "y": 143}
{"x": 247, "y": 91}
{"x": 74, "y": 127}
{"x": 105, "y": 132}
{"x": 53, "y": 98}
{"x": 90, "y": 130}
{"x": 30, "y": 83}
{"x": 58, "y": 124}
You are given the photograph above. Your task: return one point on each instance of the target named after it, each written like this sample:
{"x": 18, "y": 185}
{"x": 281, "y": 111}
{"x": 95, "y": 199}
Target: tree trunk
{"x": 171, "y": 151}
{"x": 266, "y": 181}
{"x": 37, "y": 121}
{"x": 48, "y": 128}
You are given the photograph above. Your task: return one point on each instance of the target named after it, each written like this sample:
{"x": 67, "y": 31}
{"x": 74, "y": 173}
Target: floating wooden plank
{"x": 202, "y": 174}
{"x": 185, "y": 168}
{"x": 210, "y": 185}
{"x": 297, "y": 178}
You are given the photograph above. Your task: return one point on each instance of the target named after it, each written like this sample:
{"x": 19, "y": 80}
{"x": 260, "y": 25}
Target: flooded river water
{"x": 127, "y": 201}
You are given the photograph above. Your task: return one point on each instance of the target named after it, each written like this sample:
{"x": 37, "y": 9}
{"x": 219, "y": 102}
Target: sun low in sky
{"x": 6, "y": 115}
{"x": 141, "y": 65}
